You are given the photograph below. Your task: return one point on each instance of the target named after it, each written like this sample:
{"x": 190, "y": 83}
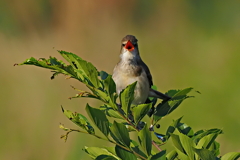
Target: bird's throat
{"x": 129, "y": 58}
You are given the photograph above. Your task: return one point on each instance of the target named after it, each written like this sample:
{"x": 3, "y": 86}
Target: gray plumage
{"x": 131, "y": 68}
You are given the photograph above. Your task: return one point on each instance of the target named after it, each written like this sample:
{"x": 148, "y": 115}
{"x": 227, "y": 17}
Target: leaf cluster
{"x": 115, "y": 121}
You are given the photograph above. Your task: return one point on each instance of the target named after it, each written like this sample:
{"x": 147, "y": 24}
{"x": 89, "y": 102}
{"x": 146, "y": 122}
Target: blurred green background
{"x": 185, "y": 44}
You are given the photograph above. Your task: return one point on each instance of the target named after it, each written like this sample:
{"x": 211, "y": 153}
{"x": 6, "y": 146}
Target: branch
{"x": 155, "y": 145}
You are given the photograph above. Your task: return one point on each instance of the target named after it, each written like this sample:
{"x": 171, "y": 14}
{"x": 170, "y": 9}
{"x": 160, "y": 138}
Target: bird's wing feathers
{"x": 146, "y": 69}
{"x": 152, "y": 92}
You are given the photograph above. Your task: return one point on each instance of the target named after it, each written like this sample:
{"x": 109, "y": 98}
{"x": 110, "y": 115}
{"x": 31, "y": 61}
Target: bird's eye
{"x": 123, "y": 44}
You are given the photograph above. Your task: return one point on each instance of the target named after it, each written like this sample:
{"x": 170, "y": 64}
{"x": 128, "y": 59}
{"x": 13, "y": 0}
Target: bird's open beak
{"x": 129, "y": 46}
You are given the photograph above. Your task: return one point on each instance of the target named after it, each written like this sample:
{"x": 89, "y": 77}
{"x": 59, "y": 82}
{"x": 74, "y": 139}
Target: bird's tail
{"x": 157, "y": 94}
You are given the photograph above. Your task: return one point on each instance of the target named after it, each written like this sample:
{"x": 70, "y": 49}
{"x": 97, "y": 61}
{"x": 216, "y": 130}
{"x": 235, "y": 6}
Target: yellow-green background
{"x": 185, "y": 44}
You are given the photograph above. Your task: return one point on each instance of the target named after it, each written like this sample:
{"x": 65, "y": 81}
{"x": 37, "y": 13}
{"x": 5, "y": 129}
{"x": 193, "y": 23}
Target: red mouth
{"x": 129, "y": 46}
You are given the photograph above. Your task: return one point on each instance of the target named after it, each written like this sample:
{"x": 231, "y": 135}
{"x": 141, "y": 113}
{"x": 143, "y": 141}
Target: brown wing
{"x": 146, "y": 69}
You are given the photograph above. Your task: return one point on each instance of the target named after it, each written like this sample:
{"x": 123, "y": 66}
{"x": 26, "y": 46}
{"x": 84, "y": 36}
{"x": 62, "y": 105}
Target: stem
{"x": 155, "y": 145}
{"x": 155, "y": 122}
{"x": 153, "y": 142}
{"x": 129, "y": 121}
{"x": 152, "y": 121}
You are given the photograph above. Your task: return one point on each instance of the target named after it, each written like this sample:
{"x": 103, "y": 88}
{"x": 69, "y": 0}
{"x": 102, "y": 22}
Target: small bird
{"x": 130, "y": 69}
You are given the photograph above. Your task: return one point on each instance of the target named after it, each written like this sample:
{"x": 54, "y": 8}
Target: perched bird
{"x": 130, "y": 69}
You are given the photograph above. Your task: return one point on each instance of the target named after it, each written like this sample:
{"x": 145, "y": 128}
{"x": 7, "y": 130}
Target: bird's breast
{"x": 125, "y": 75}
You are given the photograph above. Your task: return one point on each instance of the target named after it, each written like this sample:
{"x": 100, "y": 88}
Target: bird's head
{"x": 129, "y": 48}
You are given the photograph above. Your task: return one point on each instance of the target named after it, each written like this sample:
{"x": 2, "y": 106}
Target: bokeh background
{"x": 185, "y": 44}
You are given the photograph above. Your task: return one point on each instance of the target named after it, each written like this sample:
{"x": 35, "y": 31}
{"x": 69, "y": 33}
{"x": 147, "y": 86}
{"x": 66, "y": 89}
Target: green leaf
{"x": 159, "y": 156}
{"x": 109, "y": 111}
{"x": 172, "y": 127}
{"x": 140, "y": 111}
{"x": 111, "y": 149}
{"x": 96, "y": 152}
{"x": 79, "y": 120}
{"x": 71, "y": 58}
{"x": 145, "y": 139}
{"x": 124, "y": 154}
{"x": 166, "y": 107}
{"x": 162, "y": 110}
{"x": 90, "y": 79}
{"x": 120, "y": 133}
{"x": 99, "y": 93}
{"x": 176, "y": 141}
{"x": 129, "y": 127}
{"x": 114, "y": 114}
{"x": 78, "y": 68}
{"x": 65, "y": 54}
{"x": 187, "y": 145}
{"x": 204, "y": 154}
{"x": 215, "y": 148}
{"x": 179, "y": 97}
{"x": 200, "y": 134}
{"x": 83, "y": 68}
{"x": 99, "y": 118}
{"x": 171, "y": 155}
{"x": 52, "y": 63}
{"x": 182, "y": 156}
{"x": 110, "y": 86}
{"x": 135, "y": 147}
{"x": 182, "y": 93}
{"x": 110, "y": 89}
{"x": 185, "y": 129}
{"x": 126, "y": 97}
{"x": 207, "y": 141}
{"x": 231, "y": 156}
{"x": 105, "y": 157}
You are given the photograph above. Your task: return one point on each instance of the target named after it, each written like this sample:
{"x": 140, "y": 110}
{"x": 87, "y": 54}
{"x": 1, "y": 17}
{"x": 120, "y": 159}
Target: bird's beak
{"x": 129, "y": 46}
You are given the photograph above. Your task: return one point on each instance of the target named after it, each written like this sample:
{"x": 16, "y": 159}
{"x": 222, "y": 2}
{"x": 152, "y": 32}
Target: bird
{"x": 130, "y": 69}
